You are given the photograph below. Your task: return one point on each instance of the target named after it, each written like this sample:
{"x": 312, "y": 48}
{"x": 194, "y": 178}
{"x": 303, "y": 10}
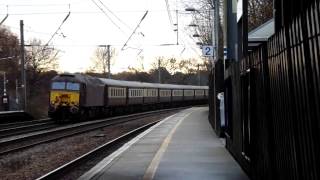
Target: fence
{"x": 276, "y": 133}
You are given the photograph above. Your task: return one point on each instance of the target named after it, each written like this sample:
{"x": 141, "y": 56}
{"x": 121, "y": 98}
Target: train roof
{"x": 79, "y": 78}
{"x": 87, "y": 79}
{"x": 137, "y": 84}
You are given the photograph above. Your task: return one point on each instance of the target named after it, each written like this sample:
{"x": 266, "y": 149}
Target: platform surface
{"x": 183, "y": 146}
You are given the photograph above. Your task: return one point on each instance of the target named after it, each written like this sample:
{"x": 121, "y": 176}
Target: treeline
{"x": 41, "y": 62}
{"x": 172, "y": 71}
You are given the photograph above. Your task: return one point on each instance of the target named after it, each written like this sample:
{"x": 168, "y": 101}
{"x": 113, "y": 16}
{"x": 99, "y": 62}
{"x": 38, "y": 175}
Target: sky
{"x": 88, "y": 26}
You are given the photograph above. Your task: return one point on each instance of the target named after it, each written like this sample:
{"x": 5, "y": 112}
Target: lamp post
{"x": 4, "y": 83}
{"x": 177, "y": 25}
{"x": 5, "y": 99}
{"x": 213, "y": 43}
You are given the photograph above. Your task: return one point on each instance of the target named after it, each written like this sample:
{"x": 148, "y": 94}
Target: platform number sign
{"x": 207, "y": 51}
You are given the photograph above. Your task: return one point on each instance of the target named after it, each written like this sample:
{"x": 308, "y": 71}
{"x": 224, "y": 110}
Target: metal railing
{"x": 279, "y": 96}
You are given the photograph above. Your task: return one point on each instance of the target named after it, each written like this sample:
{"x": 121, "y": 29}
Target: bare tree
{"x": 100, "y": 60}
{"x": 202, "y": 21}
{"x": 159, "y": 61}
{"x": 41, "y": 58}
{"x": 259, "y": 11}
{"x": 9, "y": 54}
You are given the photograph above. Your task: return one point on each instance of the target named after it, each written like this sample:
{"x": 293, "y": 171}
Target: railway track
{"x": 21, "y": 142}
{"x": 14, "y": 129}
{"x": 24, "y": 123}
{"x": 64, "y": 169}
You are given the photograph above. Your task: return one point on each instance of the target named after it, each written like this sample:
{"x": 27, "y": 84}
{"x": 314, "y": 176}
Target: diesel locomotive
{"x": 80, "y": 96}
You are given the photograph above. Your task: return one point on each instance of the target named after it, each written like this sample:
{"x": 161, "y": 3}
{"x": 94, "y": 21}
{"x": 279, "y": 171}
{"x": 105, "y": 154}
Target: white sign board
{"x": 207, "y": 51}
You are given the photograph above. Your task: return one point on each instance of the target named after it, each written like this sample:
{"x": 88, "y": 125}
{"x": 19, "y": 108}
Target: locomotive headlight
{"x": 74, "y": 109}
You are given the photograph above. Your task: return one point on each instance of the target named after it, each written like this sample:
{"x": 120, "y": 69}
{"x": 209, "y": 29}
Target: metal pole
{"x": 217, "y": 22}
{"x": 199, "y": 76}
{"x": 177, "y": 27}
{"x": 4, "y": 84}
{"x": 159, "y": 73}
{"x": 213, "y": 35}
{"x": 23, "y": 72}
{"x": 232, "y": 29}
{"x": 17, "y": 92}
{"x": 108, "y": 61}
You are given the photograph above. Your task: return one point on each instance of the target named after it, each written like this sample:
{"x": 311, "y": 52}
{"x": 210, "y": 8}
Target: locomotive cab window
{"x": 58, "y": 85}
{"x": 73, "y": 86}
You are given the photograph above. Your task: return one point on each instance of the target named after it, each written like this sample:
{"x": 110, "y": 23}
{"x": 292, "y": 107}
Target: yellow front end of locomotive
{"x": 64, "y": 98}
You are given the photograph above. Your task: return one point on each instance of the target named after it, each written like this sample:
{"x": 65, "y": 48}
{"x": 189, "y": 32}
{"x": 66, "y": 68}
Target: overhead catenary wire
{"x": 125, "y": 44}
{"x": 137, "y": 31}
{"x": 88, "y": 12}
{"x": 169, "y": 13}
{"x": 5, "y": 18}
{"x": 106, "y": 14}
{"x": 64, "y": 20}
{"x": 188, "y": 43}
{"x": 121, "y": 21}
{"x": 34, "y": 5}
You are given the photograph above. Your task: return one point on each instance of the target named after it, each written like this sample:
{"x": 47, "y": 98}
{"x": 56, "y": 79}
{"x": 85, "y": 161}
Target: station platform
{"x": 182, "y": 146}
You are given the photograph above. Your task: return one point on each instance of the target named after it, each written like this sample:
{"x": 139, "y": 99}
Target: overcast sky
{"x": 87, "y": 27}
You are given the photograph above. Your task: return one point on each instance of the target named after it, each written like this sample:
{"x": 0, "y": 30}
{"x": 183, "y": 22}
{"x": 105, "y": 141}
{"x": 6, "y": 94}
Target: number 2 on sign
{"x": 207, "y": 51}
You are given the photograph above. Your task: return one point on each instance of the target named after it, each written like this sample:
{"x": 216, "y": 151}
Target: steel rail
{"x": 12, "y": 131}
{"x": 24, "y": 123}
{"x": 14, "y": 144}
{"x": 60, "y": 171}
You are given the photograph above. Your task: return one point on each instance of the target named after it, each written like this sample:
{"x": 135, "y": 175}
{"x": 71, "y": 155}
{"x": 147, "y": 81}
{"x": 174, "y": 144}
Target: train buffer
{"x": 183, "y": 146}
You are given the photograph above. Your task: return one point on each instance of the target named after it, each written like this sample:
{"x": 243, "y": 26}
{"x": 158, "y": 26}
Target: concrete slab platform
{"x": 183, "y": 146}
